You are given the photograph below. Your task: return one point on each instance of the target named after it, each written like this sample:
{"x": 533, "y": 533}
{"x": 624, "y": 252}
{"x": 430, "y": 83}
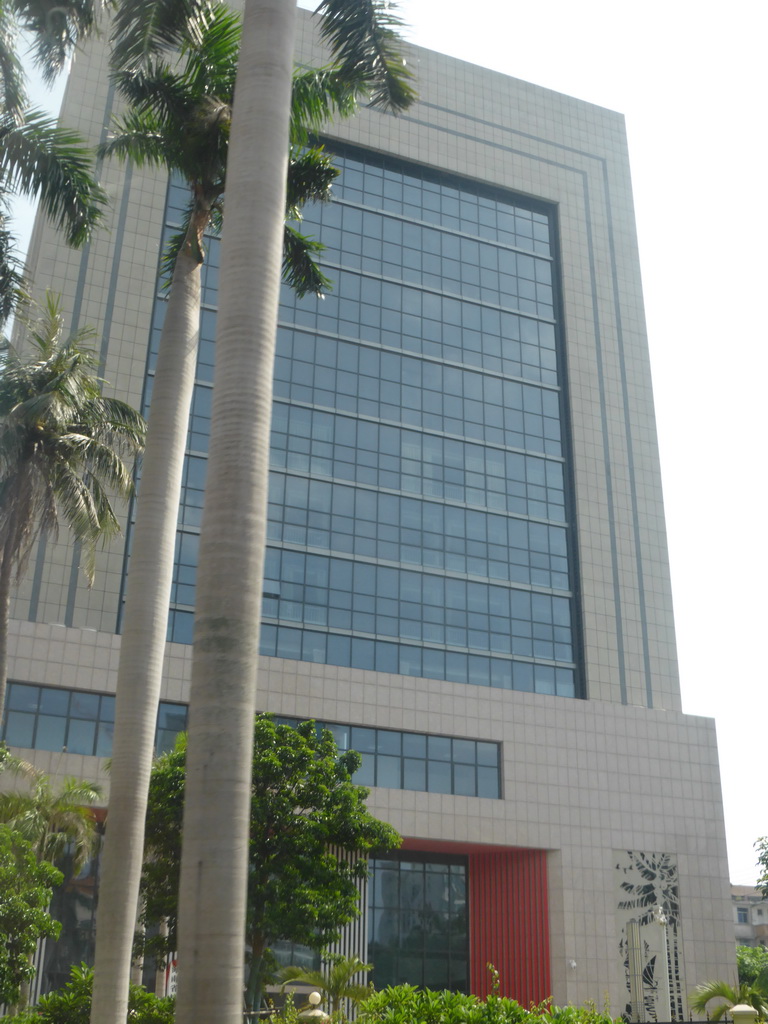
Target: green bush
{"x": 72, "y": 1004}
{"x": 405, "y": 1004}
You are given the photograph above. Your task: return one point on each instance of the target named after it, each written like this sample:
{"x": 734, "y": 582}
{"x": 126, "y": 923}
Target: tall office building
{"x": 467, "y": 575}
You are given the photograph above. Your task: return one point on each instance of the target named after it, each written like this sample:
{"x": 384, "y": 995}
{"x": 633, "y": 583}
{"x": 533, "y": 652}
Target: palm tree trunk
{"x": 217, "y": 810}
{"x": 145, "y": 625}
{"x": 255, "y": 983}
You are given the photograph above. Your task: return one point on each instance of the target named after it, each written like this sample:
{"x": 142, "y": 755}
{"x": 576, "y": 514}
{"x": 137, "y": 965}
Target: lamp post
{"x": 661, "y": 919}
{"x": 315, "y": 1015}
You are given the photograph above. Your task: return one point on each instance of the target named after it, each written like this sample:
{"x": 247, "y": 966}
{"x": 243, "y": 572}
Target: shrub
{"x": 405, "y": 1004}
{"x": 72, "y": 1004}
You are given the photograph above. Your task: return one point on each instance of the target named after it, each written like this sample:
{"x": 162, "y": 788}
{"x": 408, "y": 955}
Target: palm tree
{"x": 230, "y": 571}
{"x": 335, "y": 983}
{"x": 37, "y": 157}
{"x": 61, "y": 446}
{"x": 54, "y": 821}
{"x": 753, "y": 994}
{"x": 179, "y": 118}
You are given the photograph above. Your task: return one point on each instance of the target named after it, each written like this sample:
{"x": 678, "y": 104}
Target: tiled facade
{"x": 603, "y": 783}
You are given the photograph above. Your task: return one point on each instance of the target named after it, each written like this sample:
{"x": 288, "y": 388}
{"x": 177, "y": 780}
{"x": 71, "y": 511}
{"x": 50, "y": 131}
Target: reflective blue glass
{"x": 405, "y": 760}
{"x": 418, "y": 517}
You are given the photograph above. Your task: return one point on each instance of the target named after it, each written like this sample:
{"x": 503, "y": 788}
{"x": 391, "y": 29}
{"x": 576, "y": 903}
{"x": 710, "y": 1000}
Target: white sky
{"x": 691, "y": 80}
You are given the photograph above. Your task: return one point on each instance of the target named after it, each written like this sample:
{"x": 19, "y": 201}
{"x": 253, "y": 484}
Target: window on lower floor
{"x": 742, "y": 915}
{"x": 417, "y": 921}
{"x": 76, "y": 721}
{"x": 420, "y": 761}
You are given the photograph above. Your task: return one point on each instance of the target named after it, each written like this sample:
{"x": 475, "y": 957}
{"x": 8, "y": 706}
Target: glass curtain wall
{"x": 419, "y": 508}
{"x": 417, "y": 921}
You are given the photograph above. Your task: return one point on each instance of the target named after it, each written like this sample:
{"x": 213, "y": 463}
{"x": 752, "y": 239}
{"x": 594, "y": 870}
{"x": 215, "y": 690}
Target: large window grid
{"x": 381, "y": 601}
{"x": 78, "y": 721}
{"x": 416, "y": 392}
{"x": 416, "y": 462}
{"x": 326, "y": 647}
{"x": 484, "y": 444}
{"x": 443, "y": 326}
{"x": 417, "y": 194}
{"x": 370, "y": 523}
{"x": 329, "y": 648}
{"x": 433, "y": 257}
{"x": 346, "y": 449}
{"x": 419, "y": 761}
{"x": 367, "y": 598}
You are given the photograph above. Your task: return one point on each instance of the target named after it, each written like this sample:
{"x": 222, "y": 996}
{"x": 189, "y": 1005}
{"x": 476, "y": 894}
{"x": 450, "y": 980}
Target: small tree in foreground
{"x": 61, "y": 452}
{"x": 303, "y": 804}
{"x": 341, "y": 979}
{"x": 754, "y": 994}
{"x": 26, "y": 887}
{"x": 53, "y": 820}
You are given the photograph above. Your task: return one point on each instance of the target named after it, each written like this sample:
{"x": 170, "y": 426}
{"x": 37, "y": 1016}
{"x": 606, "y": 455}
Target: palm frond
{"x": 43, "y": 160}
{"x": 300, "y": 269}
{"x": 11, "y": 274}
{"x": 156, "y": 88}
{"x": 334, "y": 981}
{"x": 311, "y": 173}
{"x": 363, "y": 38}
{"x": 172, "y": 249}
{"x": 140, "y": 138}
{"x": 143, "y": 29}
{"x": 211, "y": 54}
{"x": 14, "y": 95}
{"x": 319, "y": 95}
{"x": 54, "y": 820}
{"x": 55, "y": 30}
{"x": 752, "y": 994}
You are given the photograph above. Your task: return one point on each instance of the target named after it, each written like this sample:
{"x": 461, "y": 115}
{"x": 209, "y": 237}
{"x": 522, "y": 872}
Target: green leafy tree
{"x": 337, "y": 982}
{"x": 303, "y": 802}
{"x": 753, "y": 994}
{"x": 752, "y": 964}
{"x": 26, "y": 887}
{"x": 56, "y": 821}
{"x": 61, "y": 452}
